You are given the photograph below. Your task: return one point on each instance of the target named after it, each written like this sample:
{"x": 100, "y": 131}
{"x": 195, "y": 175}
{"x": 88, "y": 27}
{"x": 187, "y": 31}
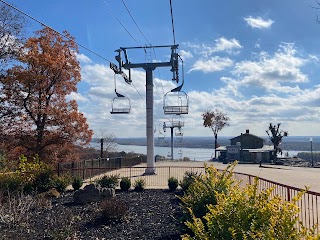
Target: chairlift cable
{"x": 135, "y": 22}
{"x": 144, "y": 101}
{"x": 120, "y": 22}
{"x": 56, "y": 31}
{"x": 155, "y": 56}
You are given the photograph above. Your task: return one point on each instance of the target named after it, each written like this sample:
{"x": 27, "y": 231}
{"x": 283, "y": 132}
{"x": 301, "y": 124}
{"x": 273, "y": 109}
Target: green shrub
{"x": 188, "y": 178}
{"x": 43, "y": 180}
{"x": 77, "y": 183}
{"x": 125, "y": 184}
{"x": 60, "y": 183}
{"x": 246, "y": 213}
{"x": 2, "y": 166}
{"x": 11, "y": 182}
{"x": 113, "y": 210}
{"x": 110, "y": 181}
{"x": 203, "y": 189}
{"x": 139, "y": 184}
{"x": 173, "y": 183}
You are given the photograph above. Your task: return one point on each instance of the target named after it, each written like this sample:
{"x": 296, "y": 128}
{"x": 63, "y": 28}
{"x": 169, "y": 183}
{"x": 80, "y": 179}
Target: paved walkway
{"x": 292, "y": 176}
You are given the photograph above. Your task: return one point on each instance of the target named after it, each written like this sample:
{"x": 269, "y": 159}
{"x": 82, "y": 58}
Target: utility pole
{"x": 149, "y": 68}
{"x": 311, "y": 153}
{"x": 101, "y": 148}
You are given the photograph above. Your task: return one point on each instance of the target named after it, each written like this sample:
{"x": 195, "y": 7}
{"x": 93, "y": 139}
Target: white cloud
{"x": 83, "y": 58}
{"x": 258, "y": 22}
{"x": 185, "y": 54}
{"x": 214, "y": 64}
{"x": 77, "y": 96}
{"x": 280, "y": 72}
{"x": 223, "y": 44}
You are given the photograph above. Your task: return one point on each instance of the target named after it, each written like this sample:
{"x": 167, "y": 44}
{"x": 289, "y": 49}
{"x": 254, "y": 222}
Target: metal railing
{"x": 309, "y": 204}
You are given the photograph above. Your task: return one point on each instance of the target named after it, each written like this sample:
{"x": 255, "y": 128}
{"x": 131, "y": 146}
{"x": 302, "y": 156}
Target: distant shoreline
{"x": 290, "y": 143}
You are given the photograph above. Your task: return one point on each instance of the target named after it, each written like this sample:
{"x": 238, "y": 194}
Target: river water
{"x": 195, "y": 154}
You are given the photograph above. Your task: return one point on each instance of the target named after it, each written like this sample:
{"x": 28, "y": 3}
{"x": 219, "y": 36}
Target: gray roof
{"x": 247, "y": 134}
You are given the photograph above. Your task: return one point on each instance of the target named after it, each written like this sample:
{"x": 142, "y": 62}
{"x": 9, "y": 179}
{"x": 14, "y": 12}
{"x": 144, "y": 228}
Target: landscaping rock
{"x": 92, "y": 193}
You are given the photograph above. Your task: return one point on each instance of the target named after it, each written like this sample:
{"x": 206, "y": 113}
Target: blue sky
{"x": 258, "y": 61}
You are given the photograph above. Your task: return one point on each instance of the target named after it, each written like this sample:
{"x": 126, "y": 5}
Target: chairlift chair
{"x": 178, "y": 132}
{"x": 120, "y": 104}
{"x": 176, "y": 101}
{"x": 161, "y": 134}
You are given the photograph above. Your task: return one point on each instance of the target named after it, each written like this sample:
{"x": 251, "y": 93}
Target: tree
{"x": 276, "y": 135}
{"x": 216, "y": 120}
{"x": 12, "y": 26}
{"x": 42, "y": 121}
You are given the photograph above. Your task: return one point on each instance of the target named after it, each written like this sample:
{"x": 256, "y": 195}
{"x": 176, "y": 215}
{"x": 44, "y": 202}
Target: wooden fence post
{"x": 72, "y": 169}
{"x": 58, "y": 169}
{"x": 92, "y": 171}
{"x": 83, "y": 169}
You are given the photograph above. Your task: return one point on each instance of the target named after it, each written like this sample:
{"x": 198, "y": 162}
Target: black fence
{"x": 90, "y": 168}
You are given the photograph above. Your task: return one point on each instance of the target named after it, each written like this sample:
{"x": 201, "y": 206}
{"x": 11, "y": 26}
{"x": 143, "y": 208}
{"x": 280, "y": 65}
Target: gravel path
{"x": 152, "y": 214}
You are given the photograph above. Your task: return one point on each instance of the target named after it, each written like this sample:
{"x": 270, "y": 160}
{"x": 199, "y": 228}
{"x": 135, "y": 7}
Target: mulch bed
{"x": 152, "y": 214}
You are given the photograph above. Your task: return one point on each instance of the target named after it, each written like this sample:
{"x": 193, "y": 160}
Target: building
{"x": 247, "y": 148}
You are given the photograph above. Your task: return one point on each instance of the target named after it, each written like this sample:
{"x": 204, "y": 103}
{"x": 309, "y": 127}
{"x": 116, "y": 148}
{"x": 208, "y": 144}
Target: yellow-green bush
{"x": 35, "y": 165}
{"x": 204, "y": 188}
{"x": 246, "y": 213}
{"x": 33, "y": 176}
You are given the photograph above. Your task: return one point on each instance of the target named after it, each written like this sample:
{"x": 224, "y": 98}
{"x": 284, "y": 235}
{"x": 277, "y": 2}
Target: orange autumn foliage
{"x": 36, "y": 117}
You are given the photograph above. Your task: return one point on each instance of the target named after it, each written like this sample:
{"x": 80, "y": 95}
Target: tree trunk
{"x": 215, "y": 146}
{"x": 275, "y": 151}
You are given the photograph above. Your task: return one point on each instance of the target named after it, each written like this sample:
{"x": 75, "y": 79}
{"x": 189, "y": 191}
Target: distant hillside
{"x": 293, "y": 143}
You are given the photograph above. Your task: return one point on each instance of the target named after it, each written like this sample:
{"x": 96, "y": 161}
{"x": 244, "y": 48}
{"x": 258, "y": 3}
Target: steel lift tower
{"x": 148, "y": 67}
{"x": 174, "y": 123}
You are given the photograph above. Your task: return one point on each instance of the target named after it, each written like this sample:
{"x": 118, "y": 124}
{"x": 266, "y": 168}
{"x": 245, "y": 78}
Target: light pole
{"x": 311, "y": 152}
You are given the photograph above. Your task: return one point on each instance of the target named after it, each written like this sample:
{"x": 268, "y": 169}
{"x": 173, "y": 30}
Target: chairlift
{"x": 161, "y": 134}
{"x": 120, "y": 104}
{"x": 178, "y": 132}
{"x": 176, "y": 101}
{"x": 177, "y": 121}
